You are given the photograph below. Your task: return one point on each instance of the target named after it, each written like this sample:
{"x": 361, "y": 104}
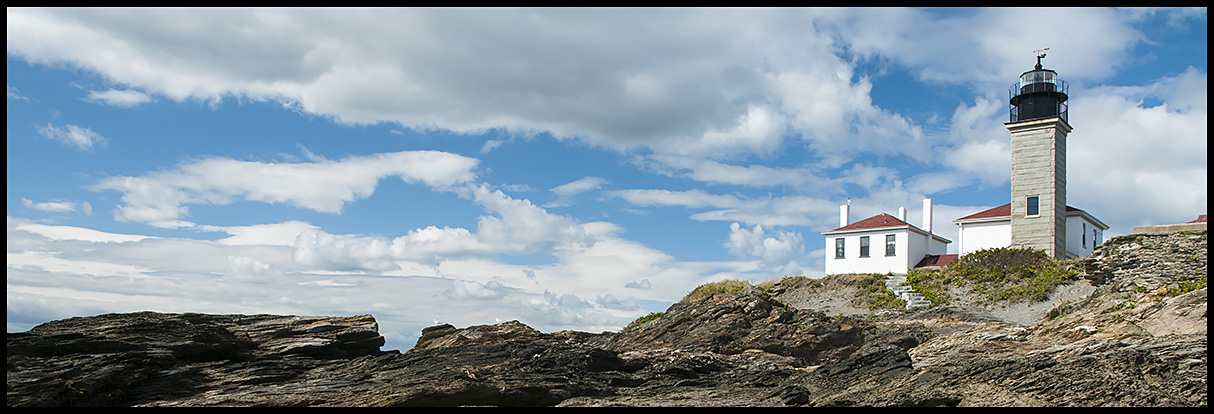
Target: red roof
{"x": 936, "y": 260}
{"x": 874, "y": 222}
{"x": 1001, "y": 211}
{"x": 1200, "y": 219}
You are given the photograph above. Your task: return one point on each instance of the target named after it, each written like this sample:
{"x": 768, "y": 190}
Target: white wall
{"x": 877, "y": 261}
{"x": 1076, "y": 243}
{"x": 918, "y": 248}
{"x": 922, "y": 245}
{"x": 978, "y": 236}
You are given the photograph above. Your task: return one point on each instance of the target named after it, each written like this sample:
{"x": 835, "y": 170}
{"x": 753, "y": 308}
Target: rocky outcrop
{"x": 1138, "y": 339}
{"x": 733, "y": 324}
{"x": 120, "y": 359}
{"x": 1149, "y": 261}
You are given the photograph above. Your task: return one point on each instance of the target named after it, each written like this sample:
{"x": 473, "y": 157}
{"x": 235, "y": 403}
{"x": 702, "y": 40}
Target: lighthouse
{"x": 1039, "y": 126}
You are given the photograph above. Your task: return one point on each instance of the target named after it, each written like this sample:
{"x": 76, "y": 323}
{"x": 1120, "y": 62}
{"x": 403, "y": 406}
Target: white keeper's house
{"x": 993, "y": 228}
{"x": 883, "y": 243}
{"x": 1037, "y": 216}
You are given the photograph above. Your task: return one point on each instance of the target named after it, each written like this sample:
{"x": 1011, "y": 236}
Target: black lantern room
{"x": 1038, "y": 94}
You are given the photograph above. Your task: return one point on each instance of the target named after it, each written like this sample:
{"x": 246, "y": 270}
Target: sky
{"x": 566, "y": 168}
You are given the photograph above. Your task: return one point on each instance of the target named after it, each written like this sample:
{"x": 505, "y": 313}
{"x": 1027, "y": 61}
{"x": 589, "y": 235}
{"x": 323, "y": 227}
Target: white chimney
{"x": 927, "y": 215}
{"x": 843, "y": 215}
{"x": 902, "y": 213}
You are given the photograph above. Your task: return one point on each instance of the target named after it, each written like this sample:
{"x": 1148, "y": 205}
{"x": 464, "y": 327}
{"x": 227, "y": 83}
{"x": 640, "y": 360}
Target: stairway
{"x": 913, "y": 299}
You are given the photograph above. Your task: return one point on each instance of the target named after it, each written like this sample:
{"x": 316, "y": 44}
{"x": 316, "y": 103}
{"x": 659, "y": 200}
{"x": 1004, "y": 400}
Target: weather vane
{"x": 1040, "y": 54}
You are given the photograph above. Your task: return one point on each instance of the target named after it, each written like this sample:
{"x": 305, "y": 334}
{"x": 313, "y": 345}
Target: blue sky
{"x": 568, "y": 168}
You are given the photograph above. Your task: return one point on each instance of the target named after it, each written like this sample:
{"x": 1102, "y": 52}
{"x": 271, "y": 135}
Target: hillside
{"x": 1129, "y": 329}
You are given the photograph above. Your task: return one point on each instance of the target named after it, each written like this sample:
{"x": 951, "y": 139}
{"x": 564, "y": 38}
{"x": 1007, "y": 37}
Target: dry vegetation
{"x": 992, "y": 276}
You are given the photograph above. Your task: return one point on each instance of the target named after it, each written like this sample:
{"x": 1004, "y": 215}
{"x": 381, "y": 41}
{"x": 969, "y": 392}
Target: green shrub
{"x": 651, "y": 316}
{"x": 931, "y": 284}
{"x": 885, "y": 299}
{"x": 878, "y": 297}
{"x": 1004, "y": 274}
{"x": 1183, "y": 287}
{"x": 873, "y": 283}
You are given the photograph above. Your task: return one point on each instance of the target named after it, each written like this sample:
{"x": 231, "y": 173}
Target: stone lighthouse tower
{"x": 1039, "y": 128}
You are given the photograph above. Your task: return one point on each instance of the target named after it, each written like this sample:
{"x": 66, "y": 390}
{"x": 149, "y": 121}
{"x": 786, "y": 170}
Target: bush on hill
{"x": 709, "y": 289}
{"x": 1004, "y": 274}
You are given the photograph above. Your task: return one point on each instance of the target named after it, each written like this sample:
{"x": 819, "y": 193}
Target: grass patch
{"x": 709, "y": 289}
{"x": 792, "y": 282}
{"x": 1182, "y": 287}
{"x": 641, "y": 320}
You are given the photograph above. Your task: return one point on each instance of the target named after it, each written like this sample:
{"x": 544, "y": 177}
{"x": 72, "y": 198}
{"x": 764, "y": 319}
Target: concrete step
{"x": 913, "y": 299}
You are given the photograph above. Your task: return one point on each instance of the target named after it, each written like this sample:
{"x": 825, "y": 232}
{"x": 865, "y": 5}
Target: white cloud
{"x": 985, "y": 48}
{"x": 490, "y": 145}
{"x": 733, "y": 81}
{"x": 77, "y": 136}
{"x": 776, "y": 211}
{"x": 1186, "y": 92}
{"x": 513, "y": 226}
{"x": 52, "y": 206}
{"x": 990, "y": 160}
{"x": 160, "y": 198}
{"x": 759, "y": 130}
{"x": 755, "y": 175}
{"x": 642, "y": 284}
{"x": 780, "y": 252}
{"x": 1136, "y": 163}
{"x": 691, "y": 198}
{"x": 45, "y": 262}
{"x": 277, "y": 234}
{"x": 15, "y": 94}
{"x": 94, "y": 275}
{"x": 121, "y": 98}
{"x": 937, "y": 182}
{"x": 69, "y": 232}
{"x": 767, "y": 211}
{"x": 566, "y": 191}
{"x": 519, "y": 226}
{"x": 465, "y": 289}
{"x": 579, "y": 186}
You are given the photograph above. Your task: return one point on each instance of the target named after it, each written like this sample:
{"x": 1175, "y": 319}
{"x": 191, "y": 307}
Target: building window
{"x": 1095, "y": 238}
{"x": 890, "y": 245}
{"x": 1034, "y": 206}
{"x": 1084, "y": 240}
{"x": 864, "y": 246}
{"x": 839, "y": 248}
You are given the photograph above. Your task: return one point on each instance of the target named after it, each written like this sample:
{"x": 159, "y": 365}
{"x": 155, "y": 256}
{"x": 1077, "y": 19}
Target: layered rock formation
{"x": 1138, "y": 339}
